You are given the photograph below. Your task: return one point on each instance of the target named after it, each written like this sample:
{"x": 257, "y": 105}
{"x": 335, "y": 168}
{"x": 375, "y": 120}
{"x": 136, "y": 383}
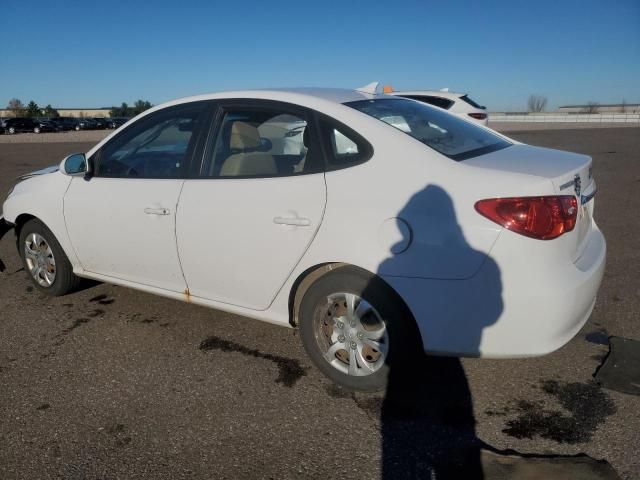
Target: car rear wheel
{"x": 357, "y": 330}
{"x": 11, "y": 130}
{"x": 77, "y": 128}
{"x": 36, "y": 130}
{"x": 45, "y": 261}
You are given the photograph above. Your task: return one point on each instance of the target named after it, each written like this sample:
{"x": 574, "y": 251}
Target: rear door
{"x": 255, "y": 205}
{"x": 122, "y": 220}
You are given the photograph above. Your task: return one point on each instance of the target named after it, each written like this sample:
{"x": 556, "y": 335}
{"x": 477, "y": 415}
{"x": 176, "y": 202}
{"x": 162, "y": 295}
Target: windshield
{"x": 445, "y": 133}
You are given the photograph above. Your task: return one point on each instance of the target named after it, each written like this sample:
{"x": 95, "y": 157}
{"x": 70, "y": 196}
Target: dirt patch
{"x": 585, "y": 406}
{"x": 289, "y": 369}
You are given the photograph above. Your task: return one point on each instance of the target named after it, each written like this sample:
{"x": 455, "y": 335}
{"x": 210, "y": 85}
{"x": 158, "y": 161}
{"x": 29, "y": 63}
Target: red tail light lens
{"x": 478, "y": 116}
{"x": 543, "y": 218}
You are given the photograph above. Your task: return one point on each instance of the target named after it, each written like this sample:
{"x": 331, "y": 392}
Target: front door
{"x": 247, "y": 221}
{"x": 122, "y": 220}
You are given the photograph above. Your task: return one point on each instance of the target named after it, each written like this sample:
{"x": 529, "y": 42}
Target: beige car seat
{"x": 246, "y": 138}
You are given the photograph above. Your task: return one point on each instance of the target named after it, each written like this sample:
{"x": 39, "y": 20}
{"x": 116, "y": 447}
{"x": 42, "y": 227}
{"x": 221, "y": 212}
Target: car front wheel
{"x": 36, "y": 130}
{"x": 357, "y": 330}
{"x": 45, "y": 261}
{"x": 12, "y": 130}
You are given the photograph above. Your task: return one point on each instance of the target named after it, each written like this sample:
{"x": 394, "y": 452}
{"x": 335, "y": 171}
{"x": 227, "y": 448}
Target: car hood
{"x": 43, "y": 171}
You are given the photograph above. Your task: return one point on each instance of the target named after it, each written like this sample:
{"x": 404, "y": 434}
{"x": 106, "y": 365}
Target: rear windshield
{"x": 445, "y": 133}
{"x": 467, "y": 98}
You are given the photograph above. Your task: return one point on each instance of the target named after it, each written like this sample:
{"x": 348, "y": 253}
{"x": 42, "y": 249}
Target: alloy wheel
{"x": 351, "y": 335}
{"x": 40, "y": 260}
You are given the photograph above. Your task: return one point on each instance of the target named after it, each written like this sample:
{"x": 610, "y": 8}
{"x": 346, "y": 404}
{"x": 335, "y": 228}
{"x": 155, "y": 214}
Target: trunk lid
{"x": 569, "y": 173}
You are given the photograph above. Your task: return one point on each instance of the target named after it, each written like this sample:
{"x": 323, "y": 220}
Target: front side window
{"x": 445, "y": 133}
{"x": 265, "y": 142}
{"x": 154, "y": 147}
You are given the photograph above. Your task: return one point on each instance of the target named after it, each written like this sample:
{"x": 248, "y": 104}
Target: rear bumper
{"x": 506, "y": 311}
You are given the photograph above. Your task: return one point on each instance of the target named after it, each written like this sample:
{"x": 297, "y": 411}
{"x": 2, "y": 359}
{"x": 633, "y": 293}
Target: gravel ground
{"x": 526, "y": 126}
{"x": 113, "y": 383}
{"x": 59, "y": 137}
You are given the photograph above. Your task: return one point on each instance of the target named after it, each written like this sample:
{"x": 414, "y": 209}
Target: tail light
{"x": 543, "y": 218}
{"x": 478, "y": 116}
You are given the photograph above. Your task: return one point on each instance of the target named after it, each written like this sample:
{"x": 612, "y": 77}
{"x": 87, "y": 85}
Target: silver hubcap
{"x": 352, "y": 335}
{"x": 40, "y": 260}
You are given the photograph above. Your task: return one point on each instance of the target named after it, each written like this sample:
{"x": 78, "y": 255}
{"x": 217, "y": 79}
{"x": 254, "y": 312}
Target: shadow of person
{"x": 427, "y": 421}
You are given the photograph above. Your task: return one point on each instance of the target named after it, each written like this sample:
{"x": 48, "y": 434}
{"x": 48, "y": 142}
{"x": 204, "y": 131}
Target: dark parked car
{"x": 86, "y": 124}
{"x": 16, "y": 125}
{"x": 44, "y": 126}
{"x": 65, "y": 123}
{"x": 116, "y": 122}
{"x": 101, "y": 123}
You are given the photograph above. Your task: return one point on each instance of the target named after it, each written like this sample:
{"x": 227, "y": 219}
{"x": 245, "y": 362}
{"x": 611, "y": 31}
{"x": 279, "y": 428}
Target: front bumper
{"x": 503, "y": 312}
{"x": 4, "y": 226}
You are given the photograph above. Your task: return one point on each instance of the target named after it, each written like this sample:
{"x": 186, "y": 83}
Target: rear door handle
{"x": 156, "y": 211}
{"x": 296, "y": 221}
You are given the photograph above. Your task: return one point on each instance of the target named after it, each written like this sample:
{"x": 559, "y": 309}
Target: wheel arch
{"x": 22, "y": 219}
{"x": 312, "y": 274}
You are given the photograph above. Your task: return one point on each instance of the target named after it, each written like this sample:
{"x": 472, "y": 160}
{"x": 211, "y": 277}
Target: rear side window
{"x": 442, "y": 131}
{"x": 263, "y": 142}
{"x": 441, "y": 102}
{"x": 343, "y": 147}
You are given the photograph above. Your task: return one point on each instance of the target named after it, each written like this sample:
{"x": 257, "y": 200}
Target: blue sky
{"x": 83, "y": 54}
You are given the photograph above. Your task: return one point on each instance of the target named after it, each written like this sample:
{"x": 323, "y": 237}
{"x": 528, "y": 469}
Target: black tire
{"x": 403, "y": 336}
{"x": 65, "y": 281}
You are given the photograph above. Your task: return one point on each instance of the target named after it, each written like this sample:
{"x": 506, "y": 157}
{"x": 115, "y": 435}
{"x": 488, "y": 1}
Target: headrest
{"x": 244, "y": 136}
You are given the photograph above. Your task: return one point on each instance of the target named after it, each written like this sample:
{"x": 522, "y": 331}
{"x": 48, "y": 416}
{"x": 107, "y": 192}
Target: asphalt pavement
{"x": 112, "y": 383}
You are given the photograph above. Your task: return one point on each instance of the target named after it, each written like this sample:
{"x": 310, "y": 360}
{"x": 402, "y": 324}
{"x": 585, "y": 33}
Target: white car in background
{"x": 380, "y": 226}
{"x": 459, "y": 104}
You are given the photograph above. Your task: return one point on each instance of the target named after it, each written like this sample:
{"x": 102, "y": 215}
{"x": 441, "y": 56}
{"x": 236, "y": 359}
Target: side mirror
{"x": 75, "y": 165}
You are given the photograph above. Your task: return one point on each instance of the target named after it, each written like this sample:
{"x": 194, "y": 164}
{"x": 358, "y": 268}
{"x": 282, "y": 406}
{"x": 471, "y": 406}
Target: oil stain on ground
{"x": 585, "y": 406}
{"x": 289, "y": 369}
{"x": 599, "y": 337}
{"x": 76, "y": 323}
{"x": 102, "y": 299}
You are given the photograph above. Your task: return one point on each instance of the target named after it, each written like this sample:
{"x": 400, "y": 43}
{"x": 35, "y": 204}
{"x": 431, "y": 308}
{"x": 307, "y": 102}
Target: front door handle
{"x": 295, "y": 221}
{"x": 156, "y": 211}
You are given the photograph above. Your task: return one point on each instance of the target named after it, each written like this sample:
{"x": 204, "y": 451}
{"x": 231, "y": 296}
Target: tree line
{"x": 32, "y": 109}
{"x": 125, "y": 110}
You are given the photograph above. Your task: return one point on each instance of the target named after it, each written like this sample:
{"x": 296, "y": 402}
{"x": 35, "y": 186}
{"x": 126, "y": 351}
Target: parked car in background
{"x": 380, "y": 226}
{"x": 41, "y": 126}
{"x": 86, "y": 124}
{"x": 66, "y": 123}
{"x": 459, "y": 104}
{"x": 57, "y": 124}
{"x": 100, "y": 122}
{"x": 116, "y": 122}
{"x": 20, "y": 125}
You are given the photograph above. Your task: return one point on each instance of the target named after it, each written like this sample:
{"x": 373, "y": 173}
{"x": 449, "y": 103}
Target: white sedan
{"x": 377, "y": 225}
{"x": 460, "y": 104}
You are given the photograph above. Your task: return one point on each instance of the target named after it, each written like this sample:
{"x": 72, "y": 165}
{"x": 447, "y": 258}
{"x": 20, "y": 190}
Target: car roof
{"x": 295, "y": 95}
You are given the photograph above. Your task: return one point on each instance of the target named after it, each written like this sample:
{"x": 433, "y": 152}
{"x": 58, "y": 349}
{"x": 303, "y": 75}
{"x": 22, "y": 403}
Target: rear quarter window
{"x": 441, "y": 131}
